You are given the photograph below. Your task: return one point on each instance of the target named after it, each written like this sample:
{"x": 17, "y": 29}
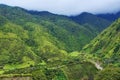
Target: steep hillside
{"x": 74, "y": 36}
{"x": 39, "y": 44}
{"x": 20, "y": 44}
{"x": 106, "y": 45}
{"x": 66, "y": 31}
{"x": 92, "y": 21}
{"x": 31, "y": 50}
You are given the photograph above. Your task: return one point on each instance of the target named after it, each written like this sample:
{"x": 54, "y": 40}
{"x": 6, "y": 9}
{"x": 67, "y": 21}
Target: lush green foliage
{"x": 106, "y": 45}
{"x": 73, "y": 69}
{"x": 71, "y": 36}
{"x": 109, "y": 74}
{"x": 41, "y": 45}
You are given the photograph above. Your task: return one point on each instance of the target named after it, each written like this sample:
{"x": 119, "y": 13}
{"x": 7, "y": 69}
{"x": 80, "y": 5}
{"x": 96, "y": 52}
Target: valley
{"x": 45, "y": 46}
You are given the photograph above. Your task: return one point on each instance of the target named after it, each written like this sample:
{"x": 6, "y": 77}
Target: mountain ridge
{"x": 46, "y": 46}
{"x": 110, "y": 16}
{"x": 106, "y": 45}
{"x": 96, "y": 22}
{"x": 56, "y": 25}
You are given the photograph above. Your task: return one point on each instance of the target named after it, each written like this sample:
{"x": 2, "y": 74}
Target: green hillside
{"x": 91, "y": 21}
{"x": 72, "y": 35}
{"x": 20, "y": 44}
{"x": 45, "y": 46}
{"x": 40, "y": 45}
{"x": 106, "y": 45}
{"x": 33, "y": 51}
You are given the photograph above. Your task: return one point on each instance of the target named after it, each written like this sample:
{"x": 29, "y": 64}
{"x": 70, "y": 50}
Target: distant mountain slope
{"x": 40, "y": 44}
{"x": 66, "y": 31}
{"x": 92, "y": 20}
{"x": 110, "y": 16}
{"x": 72, "y": 28}
{"x": 107, "y": 44}
{"x": 35, "y": 38}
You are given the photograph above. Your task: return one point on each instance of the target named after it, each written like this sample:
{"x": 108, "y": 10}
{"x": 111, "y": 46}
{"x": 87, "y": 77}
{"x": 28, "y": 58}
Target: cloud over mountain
{"x": 67, "y": 7}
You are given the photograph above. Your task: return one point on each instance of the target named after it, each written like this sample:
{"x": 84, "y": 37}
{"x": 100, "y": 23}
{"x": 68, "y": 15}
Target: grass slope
{"x": 106, "y": 45}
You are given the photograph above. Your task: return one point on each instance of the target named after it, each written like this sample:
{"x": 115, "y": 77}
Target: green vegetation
{"x": 40, "y": 45}
{"x": 46, "y": 46}
{"x": 15, "y": 75}
{"x": 92, "y": 21}
{"x": 71, "y": 35}
{"x": 73, "y": 69}
{"x": 106, "y": 45}
{"x": 109, "y": 74}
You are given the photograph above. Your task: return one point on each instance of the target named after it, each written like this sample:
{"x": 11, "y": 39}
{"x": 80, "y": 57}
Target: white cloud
{"x": 67, "y": 7}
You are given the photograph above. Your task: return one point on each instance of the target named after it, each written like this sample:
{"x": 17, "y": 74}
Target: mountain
{"x": 45, "y": 46}
{"x": 30, "y": 50}
{"x": 109, "y": 16}
{"x": 92, "y": 21}
{"x": 29, "y": 42}
{"x": 106, "y": 45}
{"x": 72, "y": 35}
{"x": 38, "y": 45}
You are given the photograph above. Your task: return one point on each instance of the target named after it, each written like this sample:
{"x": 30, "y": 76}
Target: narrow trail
{"x": 97, "y": 65}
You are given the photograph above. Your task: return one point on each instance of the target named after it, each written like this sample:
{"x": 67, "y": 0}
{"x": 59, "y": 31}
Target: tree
{"x": 109, "y": 74}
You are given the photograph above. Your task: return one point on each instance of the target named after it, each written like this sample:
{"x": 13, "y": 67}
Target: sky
{"x": 67, "y": 7}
